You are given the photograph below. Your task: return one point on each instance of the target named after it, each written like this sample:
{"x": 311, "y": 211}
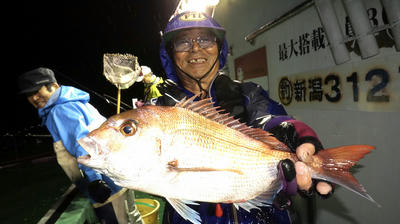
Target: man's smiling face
{"x": 39, "y": 99}
{"x": 197, "y": 60}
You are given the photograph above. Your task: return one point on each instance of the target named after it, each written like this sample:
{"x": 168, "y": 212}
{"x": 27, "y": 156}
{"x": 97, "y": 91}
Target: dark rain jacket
{"x": 252, "y": 105}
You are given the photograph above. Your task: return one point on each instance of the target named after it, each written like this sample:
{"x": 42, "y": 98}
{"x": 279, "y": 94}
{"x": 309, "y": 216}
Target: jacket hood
{"x": 63, "y": 95}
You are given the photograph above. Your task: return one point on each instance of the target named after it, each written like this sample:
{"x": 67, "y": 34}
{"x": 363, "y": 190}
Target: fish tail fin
{"x": 333, "y": 165}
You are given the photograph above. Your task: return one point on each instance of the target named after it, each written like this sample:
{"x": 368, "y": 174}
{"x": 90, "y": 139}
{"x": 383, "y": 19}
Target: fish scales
{"x": 211, "y": 141}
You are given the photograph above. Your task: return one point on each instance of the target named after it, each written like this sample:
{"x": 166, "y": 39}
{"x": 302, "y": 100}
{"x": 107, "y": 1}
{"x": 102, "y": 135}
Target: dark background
{"x": 71, "y": 38}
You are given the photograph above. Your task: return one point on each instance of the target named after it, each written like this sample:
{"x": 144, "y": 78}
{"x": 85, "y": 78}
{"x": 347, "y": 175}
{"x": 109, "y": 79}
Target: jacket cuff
{"x": 302, "y": 129}
{"x": 292, "y": 132}
{"x": 306, "y": 134}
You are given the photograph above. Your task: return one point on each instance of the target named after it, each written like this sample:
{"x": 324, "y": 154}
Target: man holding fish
{"x": 193, "y": 51}
{"x": 218, "y": 151}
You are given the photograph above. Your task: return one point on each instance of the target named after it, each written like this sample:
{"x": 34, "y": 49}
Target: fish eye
{"x": 128, "y": 128}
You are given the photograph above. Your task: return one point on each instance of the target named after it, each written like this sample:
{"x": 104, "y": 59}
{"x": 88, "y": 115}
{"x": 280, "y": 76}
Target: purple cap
{"x": 188, "y": 20}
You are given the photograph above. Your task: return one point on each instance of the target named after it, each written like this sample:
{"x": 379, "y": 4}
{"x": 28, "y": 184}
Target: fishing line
{"x": 105, "y": 97}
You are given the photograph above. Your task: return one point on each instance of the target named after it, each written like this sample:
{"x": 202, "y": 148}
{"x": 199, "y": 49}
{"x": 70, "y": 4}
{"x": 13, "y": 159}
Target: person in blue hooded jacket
{"x": 193, "y": 53}
{"x": 68, "y": 115}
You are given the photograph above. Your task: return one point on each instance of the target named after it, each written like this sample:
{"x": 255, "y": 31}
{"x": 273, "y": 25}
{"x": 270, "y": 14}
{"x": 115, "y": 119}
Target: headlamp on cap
{"x": 190, "y": 20}
{"x": 203, "y": 6}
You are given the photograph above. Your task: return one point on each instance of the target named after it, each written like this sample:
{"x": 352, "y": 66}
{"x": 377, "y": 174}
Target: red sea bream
{"x": 192, "y": 152}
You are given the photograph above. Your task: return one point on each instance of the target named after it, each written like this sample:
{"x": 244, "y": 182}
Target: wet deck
{"x": 31, "y": 189}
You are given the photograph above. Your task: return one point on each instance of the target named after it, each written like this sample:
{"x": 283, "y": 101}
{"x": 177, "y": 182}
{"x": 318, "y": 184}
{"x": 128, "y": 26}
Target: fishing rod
{"x": 107, "y": 98}
{"x": 110, "y": 97}
{"x": 26, "y": 132}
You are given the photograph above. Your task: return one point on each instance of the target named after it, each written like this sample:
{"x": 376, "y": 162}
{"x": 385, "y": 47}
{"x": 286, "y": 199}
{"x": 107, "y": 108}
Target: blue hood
{"x": 62, "y": 95}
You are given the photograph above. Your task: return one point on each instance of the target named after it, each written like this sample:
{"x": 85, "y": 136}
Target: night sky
{"x": 71, "y": 38}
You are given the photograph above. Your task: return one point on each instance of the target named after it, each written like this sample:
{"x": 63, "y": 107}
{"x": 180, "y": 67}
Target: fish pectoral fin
{"x": 204, "y": 169}
{"x": 185, "y": 211}
{"x": 174, "y": 165}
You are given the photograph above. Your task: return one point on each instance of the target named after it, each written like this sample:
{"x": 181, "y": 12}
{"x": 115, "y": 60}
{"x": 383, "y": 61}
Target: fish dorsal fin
{"x": 206, "y": 108}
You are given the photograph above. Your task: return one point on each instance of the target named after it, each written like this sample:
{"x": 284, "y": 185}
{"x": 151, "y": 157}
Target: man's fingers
{"x": 305, "y": 151}
{"x": 139, "y": 103}
{"x": 324, "y": 188}
{"x": 303, "y": 176}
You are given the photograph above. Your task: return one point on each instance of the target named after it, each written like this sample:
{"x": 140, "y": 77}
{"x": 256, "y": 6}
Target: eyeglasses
{"x": 186, "y": 44}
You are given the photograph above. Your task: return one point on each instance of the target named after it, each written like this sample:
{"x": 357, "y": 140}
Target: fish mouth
{"x": 93, "y": 148}
{"x": 89, "y": 144}
{"x": 84, "y": 159}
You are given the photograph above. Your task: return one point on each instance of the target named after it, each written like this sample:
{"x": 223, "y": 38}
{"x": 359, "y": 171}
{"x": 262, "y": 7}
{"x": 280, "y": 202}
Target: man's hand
{"x": 171, "y": 93}
{"x": 99, "y": 191}
{"x": 287, "y": 173}
{"x": 304, "y": 153}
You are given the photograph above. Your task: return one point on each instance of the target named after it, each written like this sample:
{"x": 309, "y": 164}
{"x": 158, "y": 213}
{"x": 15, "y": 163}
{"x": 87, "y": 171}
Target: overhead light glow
{"x": 205, "y": 6}
{"x": 213, "y": 2}
{"x": 196, "y": 5}
{"x": 199, "y": 6}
